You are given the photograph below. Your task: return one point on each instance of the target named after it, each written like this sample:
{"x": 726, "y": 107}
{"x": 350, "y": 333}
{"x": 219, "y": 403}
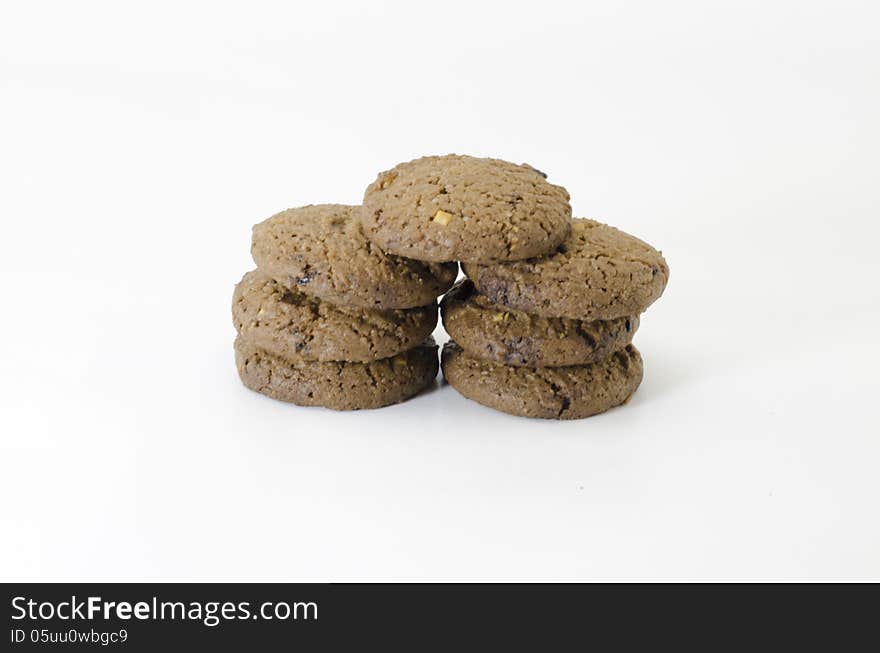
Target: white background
{"x": 139, "y": 145}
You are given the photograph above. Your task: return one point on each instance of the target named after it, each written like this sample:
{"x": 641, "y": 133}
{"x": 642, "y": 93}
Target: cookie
{"x": 340, "y": 386}
{"x": 289, "y": 323}
{"x": 598, "y": 273}
{"x": 486, "y": 330}
{"x": 462, "y": 208}
{"x": 321, "y": 251}
{"x": 549, "y": 392}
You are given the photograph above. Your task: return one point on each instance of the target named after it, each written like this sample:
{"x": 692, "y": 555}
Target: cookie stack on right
{"x": 550, "y": 337}
{"x": 542, "y": 326}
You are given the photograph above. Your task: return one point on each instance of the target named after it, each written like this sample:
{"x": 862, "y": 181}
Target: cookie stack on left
{"x": 329, "y": 319}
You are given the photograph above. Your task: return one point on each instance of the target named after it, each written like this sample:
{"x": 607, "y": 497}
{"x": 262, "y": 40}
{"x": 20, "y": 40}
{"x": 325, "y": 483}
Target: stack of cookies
{"x": 542, "y": 326}
{"x": 329, "y": 319}
{"x": 340, "y": 309}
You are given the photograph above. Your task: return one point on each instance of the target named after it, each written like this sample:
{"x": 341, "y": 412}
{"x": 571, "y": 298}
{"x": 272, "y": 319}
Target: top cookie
{"x": 462, "y": 208}
{"x": 598, "y": 273}
{"x": 320, "y": 250}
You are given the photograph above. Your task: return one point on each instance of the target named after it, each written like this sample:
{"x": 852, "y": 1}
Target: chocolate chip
{"x": 586, "y": 335}
{"x": 495, "y": 290}
{"x": 543, "y": 174}
{"x": 519, "y": 351}
{"x": 308, "y": 275}
{"x": 566, "y": 402}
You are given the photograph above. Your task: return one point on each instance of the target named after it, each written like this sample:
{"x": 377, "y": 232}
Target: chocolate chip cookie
{"x": 288, "y": 323}
{"x": 462, "y": 208}
{"x": 337, "y": 385}
{"x": 493, "y": 332}
{"x": 598, "y": 273}
{"x": 321, "y": 251}
{"x": 549, "y": 392}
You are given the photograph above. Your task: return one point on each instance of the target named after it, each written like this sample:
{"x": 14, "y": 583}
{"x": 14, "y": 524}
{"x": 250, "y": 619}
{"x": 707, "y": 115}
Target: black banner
{"x": 148, "y": 617}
